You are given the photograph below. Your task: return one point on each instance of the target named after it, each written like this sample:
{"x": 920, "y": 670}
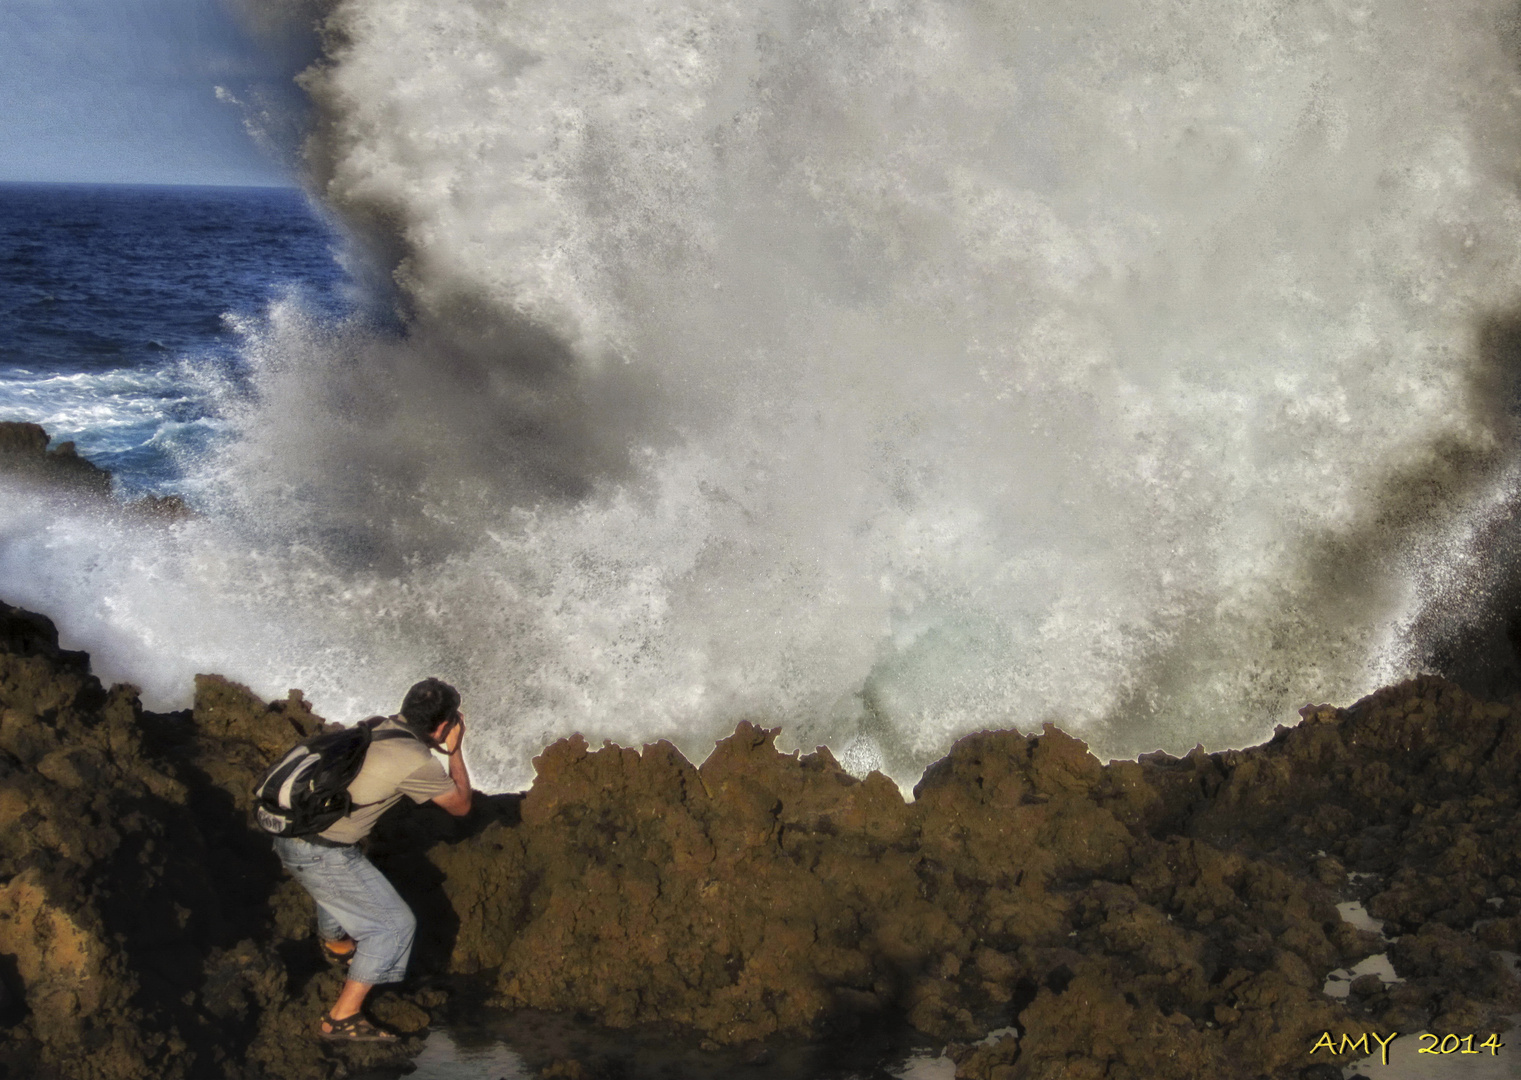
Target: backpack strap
{"x": 390, "y": 733}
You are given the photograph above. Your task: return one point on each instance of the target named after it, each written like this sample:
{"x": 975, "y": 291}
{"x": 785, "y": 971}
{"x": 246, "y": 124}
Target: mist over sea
{"x": 883, "y": 371}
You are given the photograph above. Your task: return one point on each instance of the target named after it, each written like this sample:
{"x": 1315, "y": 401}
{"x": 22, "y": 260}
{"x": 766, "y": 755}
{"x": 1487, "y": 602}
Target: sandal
{"x": 336, "y": 958}
{"x": 354, "y": 1029}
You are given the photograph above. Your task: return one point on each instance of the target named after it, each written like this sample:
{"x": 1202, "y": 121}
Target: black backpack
{"x": 307, "y": 790}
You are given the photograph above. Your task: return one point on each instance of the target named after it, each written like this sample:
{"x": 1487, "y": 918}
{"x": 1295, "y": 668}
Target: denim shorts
{"x": 354, "y": 898}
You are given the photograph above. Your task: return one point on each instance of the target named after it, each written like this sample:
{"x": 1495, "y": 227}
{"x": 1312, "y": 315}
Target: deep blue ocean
{"x": 120, "y": 310}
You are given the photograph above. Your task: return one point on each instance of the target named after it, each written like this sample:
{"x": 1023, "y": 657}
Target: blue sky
{"x": 125, "y": 91}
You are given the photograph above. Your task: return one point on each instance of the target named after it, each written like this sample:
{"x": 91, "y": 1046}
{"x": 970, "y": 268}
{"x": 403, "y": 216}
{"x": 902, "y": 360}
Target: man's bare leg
{"x": 344, "y": 1021}
{"x": 350, "y": 1000}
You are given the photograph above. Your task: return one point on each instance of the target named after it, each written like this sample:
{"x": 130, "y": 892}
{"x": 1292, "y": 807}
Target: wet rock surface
{"x": 1038, "y": 913}
{"x": 28, "y": 460}
{"x": 24, "y": 455}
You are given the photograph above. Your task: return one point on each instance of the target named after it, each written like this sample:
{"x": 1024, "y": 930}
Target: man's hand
{"x": 455, "y": 737}
{"x": 456, "y": 802}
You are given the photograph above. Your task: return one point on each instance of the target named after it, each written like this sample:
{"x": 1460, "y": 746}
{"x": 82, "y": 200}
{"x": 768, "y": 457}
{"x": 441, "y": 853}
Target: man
{"x": 361, "y": 920}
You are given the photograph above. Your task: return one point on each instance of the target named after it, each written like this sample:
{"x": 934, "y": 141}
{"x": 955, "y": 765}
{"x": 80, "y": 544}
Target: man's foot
{"x": 339, "y": 952}
{"x": 354, "y": 1029}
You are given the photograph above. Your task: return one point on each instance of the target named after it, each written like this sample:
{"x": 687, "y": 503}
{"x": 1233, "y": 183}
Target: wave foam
{"x": 888, "y": 371}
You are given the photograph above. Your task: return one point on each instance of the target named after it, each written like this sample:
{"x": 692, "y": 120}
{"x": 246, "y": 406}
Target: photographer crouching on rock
{"x": 361, "y": 920}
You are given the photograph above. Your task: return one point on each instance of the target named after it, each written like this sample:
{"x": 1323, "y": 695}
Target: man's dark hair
{"x": 428, "y": 704}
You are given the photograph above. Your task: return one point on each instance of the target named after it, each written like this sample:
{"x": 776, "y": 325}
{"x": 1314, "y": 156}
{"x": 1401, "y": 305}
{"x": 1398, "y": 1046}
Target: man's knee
{"x": 394, "y": 922}
{"x": 398, "y": 922}
{"x": 406, "y": 924}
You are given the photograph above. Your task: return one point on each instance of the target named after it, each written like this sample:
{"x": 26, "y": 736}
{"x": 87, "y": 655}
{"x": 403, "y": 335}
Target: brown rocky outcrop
{"x": 144, "y": 929}
{"x": 1042, "y": 914}
{"x": 767, "y": 893}
{"x": 24, "y": 454}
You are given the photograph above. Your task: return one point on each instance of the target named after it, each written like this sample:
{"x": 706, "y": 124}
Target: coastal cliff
{"x": 1041, "y": 914}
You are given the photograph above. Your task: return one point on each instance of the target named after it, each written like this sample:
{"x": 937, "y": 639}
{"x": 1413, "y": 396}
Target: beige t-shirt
{"x": 392, "y": 768}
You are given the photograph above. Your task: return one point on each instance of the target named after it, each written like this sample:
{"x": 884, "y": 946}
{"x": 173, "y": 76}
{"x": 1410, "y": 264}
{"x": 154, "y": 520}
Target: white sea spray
{"x": 884, "y": 371}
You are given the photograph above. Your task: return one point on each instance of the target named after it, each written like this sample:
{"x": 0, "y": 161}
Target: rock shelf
{"x": 1040, "y": 913}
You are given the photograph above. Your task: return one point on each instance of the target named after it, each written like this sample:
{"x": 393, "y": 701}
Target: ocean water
{"x": 882, "y": 372}
{"x": 121, "y": 309}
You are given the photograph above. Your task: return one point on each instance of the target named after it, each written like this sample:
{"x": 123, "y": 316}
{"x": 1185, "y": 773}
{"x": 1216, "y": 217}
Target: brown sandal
{"x": 354, "y": 1029}
{"x": 336, "y": 958}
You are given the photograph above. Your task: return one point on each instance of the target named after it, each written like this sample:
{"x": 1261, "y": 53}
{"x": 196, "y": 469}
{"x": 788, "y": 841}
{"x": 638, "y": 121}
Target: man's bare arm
{"x": 456, "y": 802}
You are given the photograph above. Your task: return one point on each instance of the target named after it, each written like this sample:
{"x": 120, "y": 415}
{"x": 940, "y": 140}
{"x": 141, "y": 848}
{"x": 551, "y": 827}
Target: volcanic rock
{"x": 1042, "y": 914}
{"x": 24, "y": 454}
{"x": 61, "y": 472}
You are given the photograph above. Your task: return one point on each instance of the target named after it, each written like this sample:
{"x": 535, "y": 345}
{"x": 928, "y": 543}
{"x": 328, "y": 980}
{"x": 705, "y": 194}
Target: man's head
{"x": 427, "y": 705}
